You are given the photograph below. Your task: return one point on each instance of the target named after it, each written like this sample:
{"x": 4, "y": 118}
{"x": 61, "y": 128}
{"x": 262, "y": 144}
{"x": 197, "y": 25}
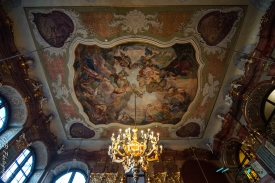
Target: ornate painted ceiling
{"x": 174, "y": 58}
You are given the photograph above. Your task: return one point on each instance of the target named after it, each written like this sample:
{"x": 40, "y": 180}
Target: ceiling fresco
{"x": 164, "y": 80}
{"x": 98, "y": 59}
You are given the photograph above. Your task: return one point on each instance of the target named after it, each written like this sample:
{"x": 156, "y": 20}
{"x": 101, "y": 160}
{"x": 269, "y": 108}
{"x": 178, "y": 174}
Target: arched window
{"x": 3, "y": 114}
{"x": 269, "y": 106}
{"x": 245, "y": 155}
{"x": 73, "y": 176}
{"x": 21, "y": 169}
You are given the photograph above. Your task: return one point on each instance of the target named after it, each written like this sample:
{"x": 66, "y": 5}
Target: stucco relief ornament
{"x": 209, "y": 88}
{"x": 135, "y": 21}
{"x": 228, "y": 100}
{"x": 61, "y": 91}
{"x": 21, "y": 142}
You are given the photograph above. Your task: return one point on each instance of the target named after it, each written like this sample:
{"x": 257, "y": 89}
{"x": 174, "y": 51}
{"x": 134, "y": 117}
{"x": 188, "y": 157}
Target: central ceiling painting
{"x": 164, "y": 80}
{"x": 98, "y": 60}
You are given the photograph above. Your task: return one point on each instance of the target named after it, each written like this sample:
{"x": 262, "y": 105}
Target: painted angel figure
{"x": 123, "y": 60}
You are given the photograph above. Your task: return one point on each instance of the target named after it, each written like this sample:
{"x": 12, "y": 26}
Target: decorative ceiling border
{"x": 126, "y": 39}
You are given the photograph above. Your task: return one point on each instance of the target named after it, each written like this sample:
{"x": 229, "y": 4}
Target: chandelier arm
{"x": 150, "y": 152}
{"x": 155, "y": 158}
{"x": 125, "y": 148}
{"x": 118, "y": 160}
{"x": 120, "y": 153}
{"x": 145, "y": 147}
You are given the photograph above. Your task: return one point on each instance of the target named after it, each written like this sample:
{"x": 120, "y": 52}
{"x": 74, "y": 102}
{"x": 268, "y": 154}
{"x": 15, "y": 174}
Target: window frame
{"x": 21, "y": 165}
{"x": 6, "y": 106}
{"x": 72, "y": 176}
{"x": 264, "y": 101}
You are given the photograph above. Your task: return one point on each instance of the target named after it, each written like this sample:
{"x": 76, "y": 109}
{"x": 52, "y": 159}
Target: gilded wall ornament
{"x": 160, "y": 177}
{"x": 111, "y": 177}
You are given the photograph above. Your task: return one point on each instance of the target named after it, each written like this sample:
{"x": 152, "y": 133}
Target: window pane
{"x": 268, "y": 110}
{"x": 8, "y": 173}
{"x": 13, "y": 167}
{"x": 271, "y": 97}
{"x": 18, "y": 176}
{"x": 2, "y": 116}
{"x": 6, "y": 176}
{"x": 79, "y": 178}
{"x": 14, "y": 181}
{"x": 29, "y": 162}
{"x": 20, "y": 159}
{"x": 26, "y": 152}
{"x": 64, "y": 179}
{"x": 1, "y": 124}
{"x": 27, "y": 166}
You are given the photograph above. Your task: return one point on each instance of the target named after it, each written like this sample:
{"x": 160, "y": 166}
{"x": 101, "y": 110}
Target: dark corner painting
{"x": 163, "y": 80}
{"x": 54, "y": 27}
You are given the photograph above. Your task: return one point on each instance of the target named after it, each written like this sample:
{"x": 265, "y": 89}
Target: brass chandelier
{"x": 135, "y": 153}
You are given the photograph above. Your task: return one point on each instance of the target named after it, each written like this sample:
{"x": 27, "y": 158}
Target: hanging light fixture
{"x": 135, "y": 153}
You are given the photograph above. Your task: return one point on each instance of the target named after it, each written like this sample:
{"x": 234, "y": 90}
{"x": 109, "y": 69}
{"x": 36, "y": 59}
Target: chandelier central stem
{"x": 135, "y": 110}
{"x": 132, "y": 152}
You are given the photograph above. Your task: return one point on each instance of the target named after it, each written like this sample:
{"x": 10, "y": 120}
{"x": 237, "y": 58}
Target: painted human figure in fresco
{"x": 88, "y": 91}
{"x": 120, "y": 82}
{"x": 155, "y": 113}
{"x": 91, "y": 71}
{"x": 179, "y": 99}
{"x": 123, "y": 60}
{"x": 147, "y": 58}
{"x": 125, "y": 118}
